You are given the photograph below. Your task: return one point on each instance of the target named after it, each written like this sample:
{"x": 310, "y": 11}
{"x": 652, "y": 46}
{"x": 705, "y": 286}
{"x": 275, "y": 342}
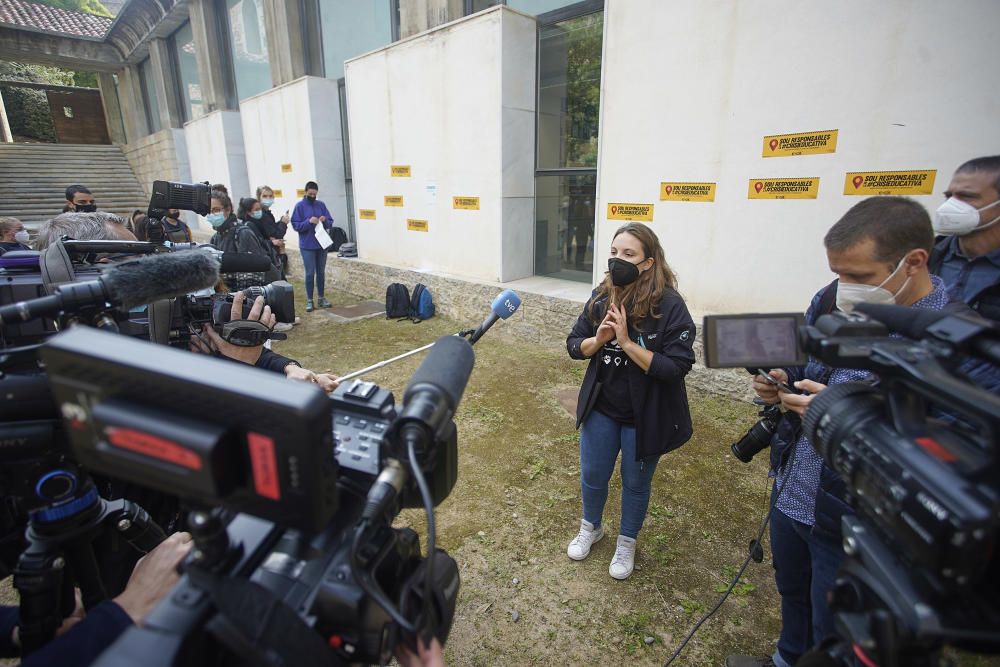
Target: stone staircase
{"x": 35, "y": 177}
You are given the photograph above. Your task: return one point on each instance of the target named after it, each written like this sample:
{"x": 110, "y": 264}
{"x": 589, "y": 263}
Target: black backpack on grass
{"x": 397, "y": 301}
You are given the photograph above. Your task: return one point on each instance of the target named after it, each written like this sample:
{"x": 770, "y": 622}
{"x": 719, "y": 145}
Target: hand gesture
{"x": 767, "y": 391}
{"x": 605, "y": 332}
{"x": 619, "y": 322}
{"x": 798, "y": 403}
{"x": 314, "y": 220}
{"x": 322, "y": 218}
{"x": 211, "y": 342}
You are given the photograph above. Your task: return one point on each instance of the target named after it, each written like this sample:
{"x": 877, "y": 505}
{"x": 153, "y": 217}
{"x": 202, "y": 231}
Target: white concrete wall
{"x": 216, "y": 153}
{"x": 690, "y": 90}
{"x": 456, "y": 104}
{"x": 297, "y": 124}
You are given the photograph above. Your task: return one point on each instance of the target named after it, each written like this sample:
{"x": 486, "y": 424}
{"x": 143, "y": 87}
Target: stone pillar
{"x": 416, "y": 16}
{"x": 211, "y": 50}
{"x": 130, "y": 99}
{"x": 286, "y": 48}
{"x": 165, "y": 83}
{"x": 112, "y": 107}
{"x": 5, "y": 135}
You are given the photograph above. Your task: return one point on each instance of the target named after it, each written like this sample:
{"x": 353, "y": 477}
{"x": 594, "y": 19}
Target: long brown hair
{"x": 642, "y": 298}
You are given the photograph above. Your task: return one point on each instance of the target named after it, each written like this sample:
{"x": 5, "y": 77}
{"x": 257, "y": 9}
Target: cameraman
{"x": 83, "y": 637}
{"x": 211, "y": 343}
{"x": 879, "y": 251}
{"x": 967, "y": 253}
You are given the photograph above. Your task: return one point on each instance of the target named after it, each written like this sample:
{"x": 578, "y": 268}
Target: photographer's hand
{"x": 248, "y": 355}
{"x": 799, "y": 403}
{"x": 767, "y": 391}
{"x": 429, "y": 656}
{"x": 153, "y": 577}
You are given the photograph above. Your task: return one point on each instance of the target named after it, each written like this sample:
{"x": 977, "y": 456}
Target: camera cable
{"x": 425, "y": 493}
{"x": 755, "y": 553}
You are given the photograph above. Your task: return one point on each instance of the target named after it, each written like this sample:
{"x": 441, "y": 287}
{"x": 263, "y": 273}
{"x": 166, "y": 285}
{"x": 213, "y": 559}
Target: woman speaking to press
{"x": 639, "y": 337}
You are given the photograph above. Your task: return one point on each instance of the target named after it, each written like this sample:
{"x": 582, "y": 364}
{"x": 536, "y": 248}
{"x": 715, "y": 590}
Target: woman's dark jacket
{"x": 659, "y": 399}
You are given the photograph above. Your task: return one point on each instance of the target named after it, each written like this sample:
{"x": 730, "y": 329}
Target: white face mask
{"x": 851, "y": 294}
{"x": 22, "y": 237}
{"x": 955, "y": 216}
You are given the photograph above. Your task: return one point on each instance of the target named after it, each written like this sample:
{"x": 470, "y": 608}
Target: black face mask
{"x": 311, "y": 198}
{"x": 622, "y": 272}
{"x": 86, "y": 208}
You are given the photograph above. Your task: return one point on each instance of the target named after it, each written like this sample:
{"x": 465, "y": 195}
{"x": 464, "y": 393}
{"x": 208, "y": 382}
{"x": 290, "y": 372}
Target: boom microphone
{"x": 506, "y": 303}
{"x": 128, "y": 284}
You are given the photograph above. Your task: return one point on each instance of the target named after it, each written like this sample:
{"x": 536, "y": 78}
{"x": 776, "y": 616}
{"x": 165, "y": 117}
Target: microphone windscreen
{"x": 161, "y": 276}
{"x": 242, "y": 262}
{"x": 447, "y": 367}
{"x": 906, "y": 321}
{"x": 506, "y": 303}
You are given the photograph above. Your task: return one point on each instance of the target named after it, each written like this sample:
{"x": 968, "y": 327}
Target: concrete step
{"x": 48, "y": 194}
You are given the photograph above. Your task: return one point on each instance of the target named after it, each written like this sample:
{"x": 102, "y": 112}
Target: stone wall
{"x": 542, "y": 320}
{"x": 155, "y": 158}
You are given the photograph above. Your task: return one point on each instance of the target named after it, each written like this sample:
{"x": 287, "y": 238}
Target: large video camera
{"x": 919, "y": 455}
{"x": 302, "y": 562}
{"x": 169, "y": 195}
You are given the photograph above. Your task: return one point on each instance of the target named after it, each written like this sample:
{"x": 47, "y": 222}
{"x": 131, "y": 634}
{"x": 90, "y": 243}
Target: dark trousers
{"x": 805, "y": 568}
{"x": 315, "y": 263}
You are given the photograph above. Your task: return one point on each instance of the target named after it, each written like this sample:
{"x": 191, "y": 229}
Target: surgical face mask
{"x": 851, "y": 294}
{"x": 267, "y": 203}
{"x": 957, "y": 217}
{"x": 22, "y": 236}
{"x": 216, "y": 219}
{"x": 622, "y": 272}
{"x": 256, "y": 215}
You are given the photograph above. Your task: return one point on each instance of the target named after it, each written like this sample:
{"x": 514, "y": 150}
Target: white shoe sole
{"x": 621, "y": 577}
{"x": 597, "y": 539}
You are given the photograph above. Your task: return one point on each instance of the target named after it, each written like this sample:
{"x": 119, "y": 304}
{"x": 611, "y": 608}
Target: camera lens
{"x": 756, "y": 439}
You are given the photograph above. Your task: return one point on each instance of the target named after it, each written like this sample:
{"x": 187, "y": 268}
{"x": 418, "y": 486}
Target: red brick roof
{"x": 21, "y": 14}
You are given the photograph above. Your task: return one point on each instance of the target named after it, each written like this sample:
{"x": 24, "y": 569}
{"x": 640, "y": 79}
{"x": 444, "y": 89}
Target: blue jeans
{"x": 601, "y": 438}
{"x": 315, "y": 263}
{"x": 805, "y": 568}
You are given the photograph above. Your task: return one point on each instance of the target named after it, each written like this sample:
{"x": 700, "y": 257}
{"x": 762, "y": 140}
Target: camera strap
{"x": 257, "y": 626}
{"x": 248, "y": 333}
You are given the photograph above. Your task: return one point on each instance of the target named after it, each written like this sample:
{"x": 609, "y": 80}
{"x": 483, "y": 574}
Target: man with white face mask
{"x": 879, "y": 251}
{"x": 968, "y": 257}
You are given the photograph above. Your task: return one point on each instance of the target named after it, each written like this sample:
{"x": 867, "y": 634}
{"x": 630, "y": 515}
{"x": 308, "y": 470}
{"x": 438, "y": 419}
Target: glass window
{"x": 149, "y": 98}
{"x": 564, "y": 226}
{"x": 351, "y": 28}
{"x": 182, "y": 45}
{"x": 479, "y": 5}
{"x": 569, "y": 91}
{"x": 248, "y": 43}
{"x": 536, "y": 7}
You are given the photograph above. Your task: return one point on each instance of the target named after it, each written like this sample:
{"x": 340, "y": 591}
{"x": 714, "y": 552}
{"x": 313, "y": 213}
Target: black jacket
{"x": 274, "y": 229}
{"x": 659, "y": 398}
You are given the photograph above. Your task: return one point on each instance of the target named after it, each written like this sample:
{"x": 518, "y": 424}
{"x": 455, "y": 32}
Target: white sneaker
{"x": 624, "y": 561}
{"x": 282, "y": 327}
{"x": 579, "y": 548}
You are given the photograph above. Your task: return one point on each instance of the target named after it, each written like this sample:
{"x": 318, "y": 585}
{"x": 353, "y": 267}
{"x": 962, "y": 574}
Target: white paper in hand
{"x": 322, "y": 237}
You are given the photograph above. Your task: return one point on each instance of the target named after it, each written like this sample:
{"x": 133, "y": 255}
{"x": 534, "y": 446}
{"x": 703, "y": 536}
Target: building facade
{"x": 504, "y": 142}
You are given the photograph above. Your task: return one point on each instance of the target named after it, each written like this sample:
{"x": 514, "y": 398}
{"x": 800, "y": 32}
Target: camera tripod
{"x": 60, "y": 553}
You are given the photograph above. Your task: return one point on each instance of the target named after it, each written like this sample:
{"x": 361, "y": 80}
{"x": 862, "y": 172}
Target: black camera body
{"x": 303, "y": 560}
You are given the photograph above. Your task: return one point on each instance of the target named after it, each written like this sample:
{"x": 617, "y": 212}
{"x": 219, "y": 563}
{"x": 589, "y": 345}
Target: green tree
{"x": 85, "y": 6}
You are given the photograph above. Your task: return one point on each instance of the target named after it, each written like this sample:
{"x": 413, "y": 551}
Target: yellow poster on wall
{"x": 687, "y": 192}
{"x": 277, "y": 192}
{"x": 286, "y": 168}
{"x": 400, "y": 170}
{"x": 465, "y": 203}
{"x": 416, "y": 225}
{"x": 300, "y": 193}
{"x": 366, "y": 213}
{"x": 394, "y": 200}
{"x": 800, "y": 143}
{"x": 635, "y": 212}
{"x": 783, "y": 188}
{"x": 889, "y": 182}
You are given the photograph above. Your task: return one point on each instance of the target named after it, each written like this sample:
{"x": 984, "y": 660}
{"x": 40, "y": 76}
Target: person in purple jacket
{"x": 307, "y": 214}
